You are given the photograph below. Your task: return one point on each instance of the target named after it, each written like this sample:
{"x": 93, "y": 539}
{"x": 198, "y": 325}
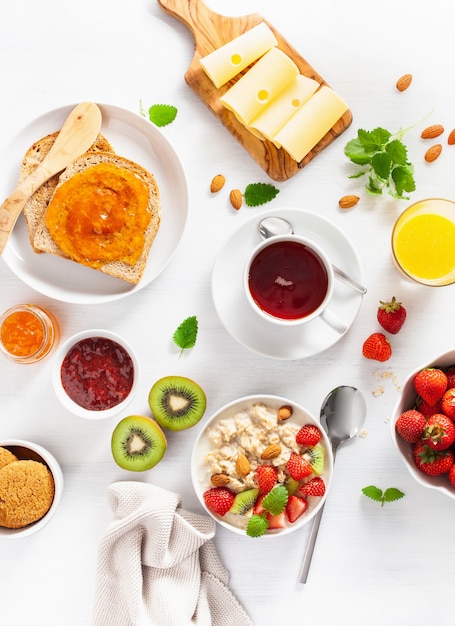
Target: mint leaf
{"x": 257, "y": 525}
{"x": 259, "y": 193}
{"x": 381, "y": 164}
{"x": 186, "y": 334}
{"x": 397, "y": 151}
{"x": 376, "y": 494}
{"x": 162, "y": 114}
{"x": 275, "y": 501}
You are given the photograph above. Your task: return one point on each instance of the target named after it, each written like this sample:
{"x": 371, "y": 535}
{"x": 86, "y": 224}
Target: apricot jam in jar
{"x": 28, "y": 333}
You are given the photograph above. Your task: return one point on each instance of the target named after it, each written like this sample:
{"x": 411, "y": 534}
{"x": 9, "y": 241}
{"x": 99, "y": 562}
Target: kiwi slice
{"x": 177, "y": 402}
{"x": 138, "y": 443}
{"x": 244, "y": 501}
{"x": 316, "y": 457}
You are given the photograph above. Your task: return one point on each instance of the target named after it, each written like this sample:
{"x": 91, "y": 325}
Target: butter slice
{"x": 309, "y": 125}
{"x": 283, "y": 107}
{"x": 226, "y": 62}
{"x": 256, "y": 89}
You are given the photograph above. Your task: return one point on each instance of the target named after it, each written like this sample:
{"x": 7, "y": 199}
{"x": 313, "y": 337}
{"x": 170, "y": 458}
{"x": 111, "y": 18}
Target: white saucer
{"x": 261, "y": 336}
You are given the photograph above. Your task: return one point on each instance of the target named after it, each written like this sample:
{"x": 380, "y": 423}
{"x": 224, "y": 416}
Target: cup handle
{"x": 332, "y": 320}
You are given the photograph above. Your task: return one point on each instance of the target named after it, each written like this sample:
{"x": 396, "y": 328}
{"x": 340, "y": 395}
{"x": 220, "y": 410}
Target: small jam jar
{"x": 28, "y": 333}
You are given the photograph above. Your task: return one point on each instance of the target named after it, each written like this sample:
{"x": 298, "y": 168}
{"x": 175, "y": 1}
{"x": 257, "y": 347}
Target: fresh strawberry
{"x": 295, "y": 507}
{"x": 258, "y": 509}
{"x": 430, "y": 383}
{"x": 267, "y": 476}
{"x": 298, "y": 466}
{"x": 428, "y": 409}
{"x": 308, "y": 435}
{"x": 452, "y": 475}
{"x": 410, "y": 425}
{"x": 448, "y": 403}
{"x": 218, "y": 499}
{"x": 450, "y": 373}
{"x": 377, "y": 347}
{"x": 439, "y": 433}
{"x": 391, "y": 315}
{"x": 432, "y": 462}
{"x": 314, "y": 487}
{"x": 276, "y": 521}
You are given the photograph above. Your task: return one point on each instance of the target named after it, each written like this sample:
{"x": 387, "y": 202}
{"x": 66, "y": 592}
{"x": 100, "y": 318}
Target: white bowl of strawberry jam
{"x": 95, "y": 374}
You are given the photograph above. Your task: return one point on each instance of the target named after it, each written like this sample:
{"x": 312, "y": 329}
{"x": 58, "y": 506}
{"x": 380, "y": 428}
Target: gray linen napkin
{"x": 157, "y": 565}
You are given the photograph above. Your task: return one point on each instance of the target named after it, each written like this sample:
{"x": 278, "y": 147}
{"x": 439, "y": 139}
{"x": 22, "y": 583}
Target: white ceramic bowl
{"x": 27, "y": 450}
{"x": 200, "y": 473}
{"x": 406, "y": 401}
{"x": 64, "y": 398}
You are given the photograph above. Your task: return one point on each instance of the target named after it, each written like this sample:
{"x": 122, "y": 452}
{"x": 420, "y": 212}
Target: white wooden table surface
{"x": 371, "y": 565}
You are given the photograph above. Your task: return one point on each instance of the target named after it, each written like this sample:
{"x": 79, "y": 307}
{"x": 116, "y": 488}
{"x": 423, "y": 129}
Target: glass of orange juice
{"x": 423, "y": 242}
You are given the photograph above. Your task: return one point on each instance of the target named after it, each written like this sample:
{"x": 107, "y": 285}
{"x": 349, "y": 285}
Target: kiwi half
{"x": 244, "y": 501}
{"x": 177, "y": 402}
{"x": 316, "y": 457}
{"x": 138, "y": 443}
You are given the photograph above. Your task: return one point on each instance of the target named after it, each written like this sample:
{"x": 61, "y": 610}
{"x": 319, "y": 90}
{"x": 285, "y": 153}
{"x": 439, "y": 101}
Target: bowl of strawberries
{"x": 262, "y": 466}
{"x": 423, "y": 424}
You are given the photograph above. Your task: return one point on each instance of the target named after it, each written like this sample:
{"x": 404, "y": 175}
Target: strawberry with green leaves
{"x": 439, "y": 432}
{"x": 432, "y": 462}
{"x": 430, "y": 384}
{"x": 218, "y": 499}
{"x": 377, "y": 347}
{"x": 410, "y": 425}
{"x": 391, "y": 315}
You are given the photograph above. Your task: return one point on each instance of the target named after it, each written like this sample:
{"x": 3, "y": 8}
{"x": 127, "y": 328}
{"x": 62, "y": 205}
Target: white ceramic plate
{"x": 258, "y": 334}
{"x": 133, "y": 137}
{"x": 202, "y": 445}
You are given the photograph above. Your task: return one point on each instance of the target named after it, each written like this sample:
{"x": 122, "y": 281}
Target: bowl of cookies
{"x": 262, "y": 466}
{"x": 31, "y": 486}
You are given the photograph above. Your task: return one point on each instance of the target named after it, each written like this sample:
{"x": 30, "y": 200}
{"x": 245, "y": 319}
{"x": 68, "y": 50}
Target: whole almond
{"x": 242, "y": 465}
{"x": 430, "y": 132}
{"x": 346, "y": 202}
{"x": 271, "y": 452}
{"x": 236, "y": 198}
{"x": 451, "y": 138}
{"x": 432, "y": 153}
{"x": 219, "y": 480}
{"x": 217, "y": 183}
{"x": 403, "y": 82}
{"x": 284, "y": 413}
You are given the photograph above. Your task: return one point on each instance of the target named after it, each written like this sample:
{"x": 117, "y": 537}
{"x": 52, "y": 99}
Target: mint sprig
{"x": 186, "y": 334}
{"x": 383, "y": 159}
{"x": 274, "y": 503}
{"x": 389, "y": 495}
{"x": 159, "y": 114}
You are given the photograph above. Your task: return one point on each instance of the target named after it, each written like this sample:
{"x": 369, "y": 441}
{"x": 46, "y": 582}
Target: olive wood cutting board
{"x": 211, "y": 31}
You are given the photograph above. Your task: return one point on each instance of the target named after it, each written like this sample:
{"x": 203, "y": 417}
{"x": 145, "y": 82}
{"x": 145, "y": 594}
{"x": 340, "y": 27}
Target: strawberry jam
{"x": 97, "y": 373}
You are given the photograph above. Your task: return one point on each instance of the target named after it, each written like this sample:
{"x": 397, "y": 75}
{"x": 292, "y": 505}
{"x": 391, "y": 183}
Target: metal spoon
{"x": 343, "y": 414}
{"x": 270, "y": 226}
{"x": 75, "y": 137}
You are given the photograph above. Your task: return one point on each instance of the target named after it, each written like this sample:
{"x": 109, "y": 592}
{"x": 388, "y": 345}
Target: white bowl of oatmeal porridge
{"x": 247, "y": 450}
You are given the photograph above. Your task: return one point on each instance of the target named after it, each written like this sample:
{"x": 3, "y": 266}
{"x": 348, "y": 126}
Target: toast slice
{"x": 44, "y": 242}
{"x": 37, "y": 204}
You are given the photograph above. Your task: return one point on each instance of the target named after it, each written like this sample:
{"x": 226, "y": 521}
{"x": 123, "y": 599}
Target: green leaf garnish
{"x": 186, "y": 334}
{"x": 383, "y": 157}
{"x": 389, "y": 495}
{"x": 257, "y": 525}
{"x": 259, "y": 193}
{"x": 275, "y": 501}
{"x": 162, "y": 114}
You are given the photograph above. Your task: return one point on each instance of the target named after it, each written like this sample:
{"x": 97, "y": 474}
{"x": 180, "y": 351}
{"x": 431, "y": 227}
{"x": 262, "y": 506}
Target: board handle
{"x": 210, "y": 30}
